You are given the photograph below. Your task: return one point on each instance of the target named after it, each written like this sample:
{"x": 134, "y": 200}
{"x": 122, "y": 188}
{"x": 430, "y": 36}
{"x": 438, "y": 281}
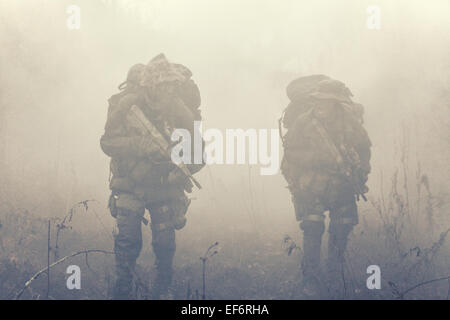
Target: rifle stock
{"x": 340, "y": 159}
{"x": 139, "y": 120}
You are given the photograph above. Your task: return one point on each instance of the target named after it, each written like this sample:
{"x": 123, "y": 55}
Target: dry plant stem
{"x": 19, "y": 294}
{"x": 448, "y": 291}
{"x": 64, "y": 224}
{"x": 208, "y": 254}
{"x": 204, "y": 279}
{"x": 401, "y": 295}
{"x": 48, "y": 261}
{"x": 188, "y": 291}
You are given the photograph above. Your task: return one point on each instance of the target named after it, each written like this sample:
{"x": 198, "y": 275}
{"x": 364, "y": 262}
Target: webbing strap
{"x": 314, "y": 217}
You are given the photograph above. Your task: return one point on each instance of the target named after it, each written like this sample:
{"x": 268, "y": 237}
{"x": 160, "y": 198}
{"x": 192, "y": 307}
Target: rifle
{"x": 140, "y": 121}
{"x": 280, "y": 130}
{"x": 342, "y": 160}
{"x": 280, "y": 124}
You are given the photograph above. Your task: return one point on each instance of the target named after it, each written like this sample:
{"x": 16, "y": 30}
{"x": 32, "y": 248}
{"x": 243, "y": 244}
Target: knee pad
{"x": 304, "y": 206}
{"x": 161, "y": 218}
{"x": 343, "y": 219}
{"x": 127, "y": 251}
{"x": 313, "y": 228}
{"x": 346, "y": 213}
{"x": 170, "y": 215}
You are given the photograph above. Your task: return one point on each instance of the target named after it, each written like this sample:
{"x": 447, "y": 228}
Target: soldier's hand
{"x": 188, "y": 186}
{"x": 147, "y": 145}
{"x": 175, "y": 176}
{"x": 365, "y": 189}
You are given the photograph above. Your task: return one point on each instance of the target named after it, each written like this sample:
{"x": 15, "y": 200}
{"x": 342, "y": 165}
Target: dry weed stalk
{"x": 209, "y": 253}
{"x": 37, "y": 274}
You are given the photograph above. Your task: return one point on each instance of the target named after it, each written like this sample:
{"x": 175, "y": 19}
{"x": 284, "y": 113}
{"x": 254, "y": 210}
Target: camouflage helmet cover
{"x": 330, "y": 89}
{"x": 134, "y": 76}
{"x": 300, "y": 88}
{"x": 160, "y": 70}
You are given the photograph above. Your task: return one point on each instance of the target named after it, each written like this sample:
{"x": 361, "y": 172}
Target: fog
{"x": 55, "y": 82}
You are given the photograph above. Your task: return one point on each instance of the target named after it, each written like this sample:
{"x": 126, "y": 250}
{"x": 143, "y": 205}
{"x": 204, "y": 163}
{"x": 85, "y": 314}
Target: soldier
{"x": 142, "y": 176}
{"x": 326, "y": 164}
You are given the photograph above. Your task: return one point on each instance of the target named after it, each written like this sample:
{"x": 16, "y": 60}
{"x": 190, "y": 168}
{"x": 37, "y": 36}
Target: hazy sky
{"x": 55, "y": 82}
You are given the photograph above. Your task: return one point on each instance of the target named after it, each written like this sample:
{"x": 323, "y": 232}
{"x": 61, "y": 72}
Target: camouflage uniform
{"x": 141, "y": 177}
{"x": 314, "y": 178}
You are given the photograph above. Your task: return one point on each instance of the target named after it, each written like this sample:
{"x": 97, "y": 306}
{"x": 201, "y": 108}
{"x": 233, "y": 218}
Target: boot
{"x": 124, "y": 282}
{"x": 164, "y": 250}
{"x": 312, "y": 241}
{"x": 127, "y": 246}
{"x": 161, "y": 285}
{"x": 337, "y": 243}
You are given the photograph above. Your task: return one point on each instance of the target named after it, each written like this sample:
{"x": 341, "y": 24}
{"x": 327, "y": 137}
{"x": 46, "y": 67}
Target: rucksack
{"x": 299, "y": 92}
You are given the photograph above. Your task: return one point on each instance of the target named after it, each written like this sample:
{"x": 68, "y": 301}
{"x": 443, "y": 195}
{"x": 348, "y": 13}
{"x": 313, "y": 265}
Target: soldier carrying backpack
{"x": 326, "y": 164}
{"x": 156, "y": 98}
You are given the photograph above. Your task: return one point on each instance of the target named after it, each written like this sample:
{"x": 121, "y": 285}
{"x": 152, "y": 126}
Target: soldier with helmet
{"x": 326, "y": 164}
{"x": 142, "y": 178}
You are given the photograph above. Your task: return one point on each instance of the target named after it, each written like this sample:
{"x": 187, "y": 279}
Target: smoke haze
{"x": 55, "y": 82}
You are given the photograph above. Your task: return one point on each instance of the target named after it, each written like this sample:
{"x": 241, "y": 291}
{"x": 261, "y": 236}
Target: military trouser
{"x": 165, "y": 219}
{"x": 343, "y": 216}
{"x": 341, "y": 225}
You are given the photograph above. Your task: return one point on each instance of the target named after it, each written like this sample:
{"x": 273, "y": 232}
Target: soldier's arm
{"x": 298, "y": 152}
{"x": 190, "y": 94}
{"x": 304, "y": 148}
{"x": 193, "y": 167}
{"x": 362, "y": 147}
{"x": 308, "y": 155}
{"x": 118, "y": 141}
{"x": 122, "y": 146}
{"x": 184, "y": 118}
{"x": 361, "y": 144}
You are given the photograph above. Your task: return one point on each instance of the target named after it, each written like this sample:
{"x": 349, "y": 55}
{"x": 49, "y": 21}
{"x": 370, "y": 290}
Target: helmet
{"x": 302, "y": 87}
{"x": 330, "y": 89}
{"x": 133, "y": 77}
{"x": 159, "y": 70}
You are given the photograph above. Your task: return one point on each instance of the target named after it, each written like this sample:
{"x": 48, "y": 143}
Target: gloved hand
{"x": 365, "y": 189}
{"x": 112, "y": 205}
{"x": 147, "y": 145}
{"x": 176, "y": 176}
